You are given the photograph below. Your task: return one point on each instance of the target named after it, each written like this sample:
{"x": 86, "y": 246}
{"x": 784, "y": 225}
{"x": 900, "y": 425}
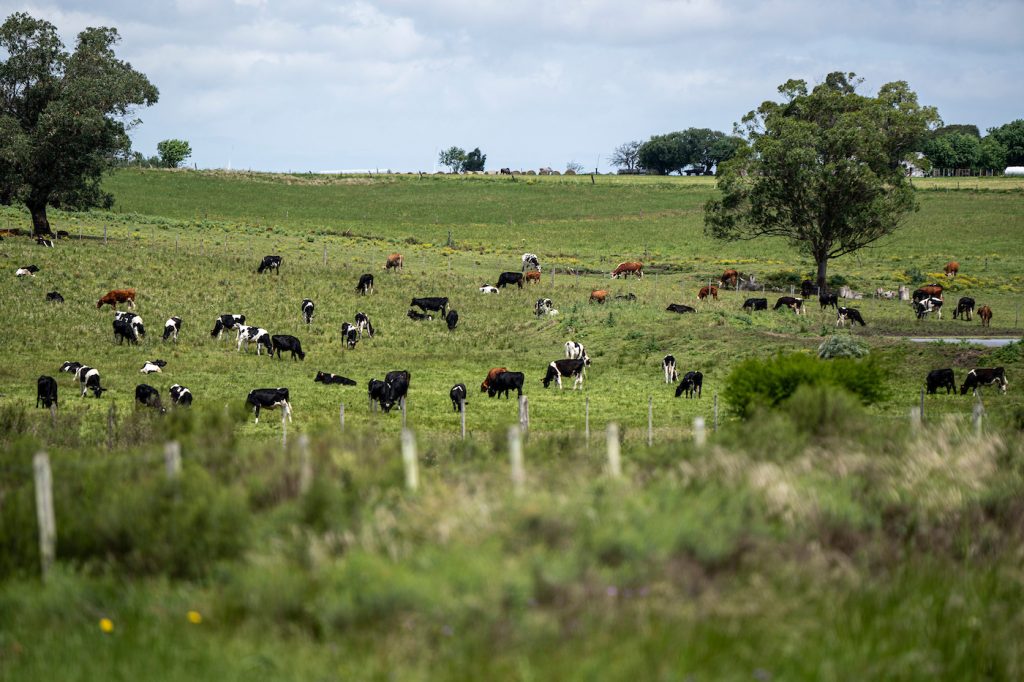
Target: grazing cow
{"x": 28, "y": 270}
{"x": 927, "y": 291}
{"x": 505, "y": 382}
{"x": 363, "y": 324}
{"x": 396, "y": 387}
{"x": 704, "y": 292}
{"x": 752, "y": 304}
{"x": 985, "y": 313}
{"x": 598, "y": 295}
{"x": 365, "y": 285}
{"x": 458, "y": 396}
{"x": 849, "y": 315}
{"x": 89, "y": 379}
{"x": 941, "y": 378}
{"x": 225, "y": 323}
{"x": 489, "y": 289}
{"x": 506, "y": 171}
{"x": 125, "y": 330}
{"x": 148, "y": 396}
{"x": 153, "y": 366}
{"x": 418, "y": 316}
{"x": 349, "y": 335}
{"x": 680, "y": 308}
{"x": 729, "y": 278}
{"x": 964, "y": 308}
{"x": 171, "y": 328}
{"x": 826, "y": 300}
{"x": 451, "y": 319}
{"x": 395, "y": 262}
{"x": 691, "y": 384}
{"x": 575, "y": 351}
{"x": 71, "y": 368}
{"x": 54, "y": 297}
{"x": 979, "y": 377}
{"x": 375, "y": 389}
{"x": 543, "y": 306}
{"x": 115, "y": 296}
{"x": 46, "y": 391}
{"x": 257, "y": 335}
{"x": 808, "y": 289}
{"x": 325, "y": 378}
{"x": 794, "y": 304}
{"x": 669, "y": 365}
{"x": 565, "y": 368}
{"x": 432, "y": 303}
{"x": 181, "y": 396}
{"x": 628, "y": 268}
{"x": 507, "y": 278}
{"x": 625, "y": 297}
{"x": 284, "y": 342}
{"x": 269, "y": 399}
{"x": 270, "y": 263}
{"x": 307, "y": 310}
{"x": 926, "y": 306}
{"x": 951, "y": 269}
{"x": 138, "y": 328}
{"x": 531, "y": 262}
{"x": 532, "y": 277}
{"x": 494, "y": 372}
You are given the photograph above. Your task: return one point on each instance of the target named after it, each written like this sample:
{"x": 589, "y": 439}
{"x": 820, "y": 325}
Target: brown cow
{"x": 495, "y": 371}
{"x": 115, "y": 296}
{"x": 928, "y": 291}
{"x": 711, "y": 291}
{"x": 952, "y": 268}
{"x": 598, "y": 295}
{"x": 532, "y": 276}
{"x": 729, "y": 278}
{"x": 985, "y": 313}
{"x": 395, "y": 261}
{"x": 628, "y": 268}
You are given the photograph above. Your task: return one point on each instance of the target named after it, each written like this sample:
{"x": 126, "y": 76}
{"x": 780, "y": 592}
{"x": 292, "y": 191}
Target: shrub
{"x": 842, "y": 346}
{"x": 782, "y": 279}
{"x": 914, "y": 275}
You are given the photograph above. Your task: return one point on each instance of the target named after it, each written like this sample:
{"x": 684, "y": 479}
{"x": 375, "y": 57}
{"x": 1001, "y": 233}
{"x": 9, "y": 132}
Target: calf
{"x": 363, "y": 324}
{"x": 680, "y": 308}
{"x": 307, "y": 310}
{"x": 89, "y": 380}
{"x": 148, "y": 396}
{"x": 489, "y": 289}
{"x": 669, "y": 365}
{"x": 349, "y": 334}
{"x": 598, "y": 296}
{"x": 458, "y": 396}
{"x": 505, "y": 382}
{"x": 365, "y": 285}
{"x": 565, "y": 368}
{"x": 152, "y": 366}
{"x": 691, "y": 384}
{"x": 507, "y": 278}
{"x": 376, "y": 389}
{"x": 979, "y": 377}
{"x": 628, "y": 268}
{"x": 284, "y": 342}
{"x": 826, "y": 300}
{"x": 941, "y": 378}
{"x": 28, "y": 270}
{"x": 794, "y": 304}
{"x": 576, "y": 351}
{"x": 268, "y": 399}
{"x": 225, "y": 323}
{"x": 396, "y": 387}
{"x": 494, "y": 372}
{"x": 395, "y": 262}
{"x": 325, "y": 378}
{"x": 181, "y": 396}
{"x": 752, "y": 304}
{"x": 985, "y": 313}
{"x": 848, "y": 315}
{"x": 704, "y": 292}
{"x": 530, "y": 261}
{"x": 270, "y": 263}
{"x": 951, "y": 269}
{"x": 171, "y": 328}
{"x": 115, "y": 296}
{"x": 46, "y": 391}
{"x": 54, "y": 297}
{"x": 261, "y": 337}
{"x": 451, "y": 319}
{"x": 418, "y": 316}
{"x": 532, "y": 277}
{"x": 964, "y": 309}
{"x": 432, "y": 303}
{"x": 926, "y": 306}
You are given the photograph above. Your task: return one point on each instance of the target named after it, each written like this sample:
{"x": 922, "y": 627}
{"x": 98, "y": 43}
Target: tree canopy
{"x": 474, "y": 161}
{"x": 63, "y": 116}
{"x": 626, "y": 156}
{"x": 173, "y": 152}
{"x": 823, "y": 169}
{"x": 700, "y": 148}
{"x": 1011, "y": 136}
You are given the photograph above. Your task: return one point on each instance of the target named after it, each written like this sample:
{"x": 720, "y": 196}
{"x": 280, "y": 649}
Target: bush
{"x": 842, "y": 346}
{"x": 914, "y": 275}
{"x": 782, "y": 279}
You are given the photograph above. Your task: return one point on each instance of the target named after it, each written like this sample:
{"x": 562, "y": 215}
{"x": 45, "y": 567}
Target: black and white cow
{"x": 269, "y": 399}
{"x": 543, "y": 306}
{"x": 325, "y": 378}
{"x": 365, "y": 285}
{"x": 89, "y": 380}
{"x": 375, "y": 389}
{"x": 363, "y": 324}
{"x": 71, "y": 368}
{"x": 349, "y": 334}
{"x": 794, "y": 304}
{"x": 979, "y": 377}
{"x": 691, "y": 384}
{"x": 926, "y": 306}
{"x": 138, "y": 329}
{"x": 752, "y": 304}
{"x": 531, "y": 261}
{"x": 458, "y": 396}
{"x": 307, "y": 310}
{"x": 125, "y": 331}
{"x": 258, "y": 335}
{"x": 432, "y": 303}
{"x": 827, "y": 300}
{"x": 270, "y": 263}
{"x": 565, "y": 368}
{"x": 148, "y": 396}
{"x": 152, "y": 366}
{"x": 505, "y": 382}
{"x": 54, "y": 297}
{"x": 506, "y": 278}
{"x": 941, "y": 378}
{"x": 451, "y": 319}
{"x": 396, "y": 387}
{"x": 668, "y": 364}
{"x": 284, "y": 342}
{"x": 171, "y": 328}
{"x": 964, "y": 309}
{"x": 846, "y": 316}
{"x": 226, "y": 323}
{"x": 46, "y": 391}
{"x": 418, "y": 316}
{"x": 181, "y": 396}
{"x": 680, "y": 308}
{"x": 575, "y": 351}
{"x": 28, "y": 270}
{"x": 489, "y": 289}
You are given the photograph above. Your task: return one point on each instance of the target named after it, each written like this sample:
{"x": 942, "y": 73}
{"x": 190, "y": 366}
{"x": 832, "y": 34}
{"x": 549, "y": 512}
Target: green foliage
{"x": 842, "y": 346}
{"x": 914, "y": 275}
{"x": 474, "y": 161}
{"x": 173, "y": 152}
{"x": 701, "y": 148}
{"x": 452, "y": 159}
{"x": 954, "y": 150}
{"x": 1011, "y": 137}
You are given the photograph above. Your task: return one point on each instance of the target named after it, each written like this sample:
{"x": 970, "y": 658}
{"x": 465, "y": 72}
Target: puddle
{"x": 988, "y": 343}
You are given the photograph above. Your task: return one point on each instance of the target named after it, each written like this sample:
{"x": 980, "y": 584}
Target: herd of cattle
{"x": 128, "y": 327}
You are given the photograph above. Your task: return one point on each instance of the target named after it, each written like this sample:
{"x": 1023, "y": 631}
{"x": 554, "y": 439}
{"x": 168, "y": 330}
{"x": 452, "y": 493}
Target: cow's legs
{"x": 256, "y": 409}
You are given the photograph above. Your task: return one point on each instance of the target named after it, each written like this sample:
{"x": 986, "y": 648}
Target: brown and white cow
{"x": 711, "y": 291}
{"x": 927, "y": 291}
{"x": 985, "y": 313}
{"x": 598, "y": 295}
{"x": 395, "y": 261}
{"x": 628, "y": 268}
{"x": 532, "y": 277}
{"x": 952, "y": 268}
{"x": 115, "y": 296}
{"x": 491, "y": 375}
{"x": 729, "y": 278}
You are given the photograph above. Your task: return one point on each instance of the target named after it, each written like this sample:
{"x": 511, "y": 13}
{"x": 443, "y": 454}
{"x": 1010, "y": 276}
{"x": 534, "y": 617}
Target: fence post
{"x": 976, "y": 415}
{"x": 53, "y": 414}
{"x": 172, "y": 459}
{"x": 614, "y": 455}
{"x": 915, "y": 417}
{"x": 650, "y": 420}
{"x": 526, "y": 409}
{"x": 44, "y": 511}
{"x": 305, "y": 465}
{"x": 412, "y": 475}
{"x": 700, "y": 436}
{"x": 462, "y": 416}
{"x": 515, "y": 455}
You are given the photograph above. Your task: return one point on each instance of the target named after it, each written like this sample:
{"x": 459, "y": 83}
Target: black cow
{"x": 29, "y": 270}
{"x": 794, "y": 304}
{"x": 668, "y": 364}
{"x": 375, "y": 389}
{"x": 926, "y": 306}
{"x": 363, "y": 324}
{"x": 181, "y": 396}
{"x": 752, "y": 304}
{"x": 365, "y": 285}
{"x": 270, "y": 263}
{"x": 565, "y": 368}
{"x": 325, "y": 378}
{"x": 137, "y": 328}
{"x": 396, "y": 387}
{"x": 808, "y": 288}
{"x": 941, "y": 378}
{"x": 46, "y": 391}
{"x": 89, "y": 379}
{"x": 416, "y": 315}
{"x": 349, "y": 334}
{"x": 506, "y": 278}
{"x": 458, "y": 395}
{"x": 979, "y": 377}
{"x": 451, "y": 319}
{"x": 225, "y": 323}
{"x": 307, "y": 310}
{"x": 435, "y": 303}
{"x": 691, "y": 384}
{"x": 680, "y": 308}
{"x": 148, "y": 396}
{"x": 505, "y": 382}
{"x": 171, "y": 328}
{"x": 284, "y": 342}
{"x": 964, "y": 309}
{"x": 827, "y": 300}
{"x": 848, "y": 315}
{"x": 268, "y": 399}
{"x": 124, "y": 330}
{"x": 54, "y": 297}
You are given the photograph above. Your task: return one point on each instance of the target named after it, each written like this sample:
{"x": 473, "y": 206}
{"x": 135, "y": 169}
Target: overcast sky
{"x": 330, "y": 84}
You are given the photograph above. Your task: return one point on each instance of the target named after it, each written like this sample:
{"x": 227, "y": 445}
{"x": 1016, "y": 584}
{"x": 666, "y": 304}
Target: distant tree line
{"x": 458, "y": 160}
{"x": 694, "y": 151}
{"x": 960, "y": 147}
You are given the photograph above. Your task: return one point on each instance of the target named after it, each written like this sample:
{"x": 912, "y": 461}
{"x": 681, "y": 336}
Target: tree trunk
{"x": 40, "y": 225}
{"x": 822, "y": 275}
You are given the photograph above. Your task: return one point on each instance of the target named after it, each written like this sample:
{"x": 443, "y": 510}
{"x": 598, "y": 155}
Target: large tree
{"x": 63, "y": 116}
{"x": 474, "y": 160}
{"x": 452, "y": 158}
{"x": 626, "y": 156}
{"x": 822, "y": 169}
{"x": 664, "y": 154}
{"x": 1011, "y": 136}
{"x": 173, "y": 152}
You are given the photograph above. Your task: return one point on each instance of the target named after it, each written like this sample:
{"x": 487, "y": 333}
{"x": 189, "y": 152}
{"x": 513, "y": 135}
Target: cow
{"x": 530, "y": 261}
{"x": 964, "y": 308}
{"x": 691, "y": 384}
{"x": 46, "y": 391}
{"x": 270, "y": 263}
{"x": 543, "y": 306}
{"x": 284, "y": 342}
{"x": 307, "y": 310}
{"x": 181, "y": 396}
{"x": 680, "y": 308}
{"x": 326, "y": 378}
{"x": 43, "y": 241}
{"x": 115, "y": 296}
{"x": 940, "y": 378}
{"x": 704, "y": 292}
{"x": 134, "y": 321}
{"x": 491, "y": 374}
{"x": 532, "y": 277}
{"x": 575, "y": 351}
{"x": 365, "y": 285}
{"x": 418, "y": 316}
{"x": 125, "y": 331}
{"x": 396, "y": 387}
{"x": 458, "y": 396}
{"x": 626, "y": 297}
{"x": 153, "y": 366}
{"x": 395, "y": 262}
{"x": 258, "y": 335}
{"x": 598, "y": 295}
{"x": 565, "y": 368}
{"x": 148, "y": 396}
{"x": 849, "y": 315}
{"x": 375, "y": 389}
{"x": 505, "y": 382}
{"x": 225, "y": 323}
{"x": 926, "y": 306}
{"x": 668, "y": 364}
{"x": 979, "y": 377}
{"x": 927, "y": 291}
{"x": 826, "y": 300}
{"x": 451, "y": 319}
{"x": 952, "y": 269}
{"x": 506, "y": 278}
{"x": 752, "y": 304}
{"x": 729, "y": 278}
{"x": 29, "y": 271}
{"x": 794, "y": 304}
{"x": 808, "y": 288}
{"x": 628, "y": 268}
{"x": 89, "y": 379}
{"x": 363, "y": 324}
{"x": 71, "y": 368}
{"x": 489, "y": 289}
{"x": 54, "y": 297}
{"x": 349, "y": 335}
{"x": 985, "y": 313}
{"x": 432, "y": 303}
{"x": 268, "y": 399}
{"x": 506, "y": 171}
{"x": 171, "y": 328}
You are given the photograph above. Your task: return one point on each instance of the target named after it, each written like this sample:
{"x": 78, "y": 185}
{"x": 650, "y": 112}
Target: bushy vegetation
{"x": 842, "y": 346}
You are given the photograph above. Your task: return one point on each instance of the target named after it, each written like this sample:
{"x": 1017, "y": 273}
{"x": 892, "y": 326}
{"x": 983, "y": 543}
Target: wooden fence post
{"x": 614, "y": 455}
{"x": 412, "y": 476}
{"x": 305, "y": 465}
{"x": 699, "y": 434}
{"x": 172, "y": 459}
{"x": 915, "y": 417}
{"x": 515, "y": 454}
{"x": 44, "y": 511}
{"x": 976, "y": 415}
{"x": 462, "y": 416}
